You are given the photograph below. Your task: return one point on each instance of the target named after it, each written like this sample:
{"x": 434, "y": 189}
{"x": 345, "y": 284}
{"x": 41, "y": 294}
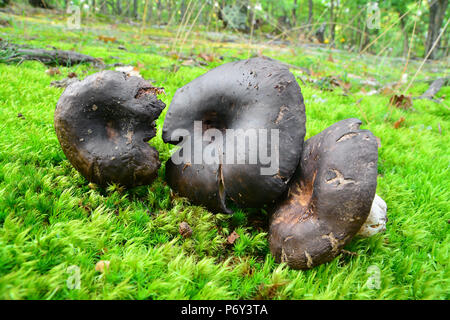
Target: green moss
{"x": 50, "y": 219}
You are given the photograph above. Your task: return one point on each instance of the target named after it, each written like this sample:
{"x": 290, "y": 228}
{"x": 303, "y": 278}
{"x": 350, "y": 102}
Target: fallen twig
{"x": 14, "y": 53}
{"x": 434, "y": 88}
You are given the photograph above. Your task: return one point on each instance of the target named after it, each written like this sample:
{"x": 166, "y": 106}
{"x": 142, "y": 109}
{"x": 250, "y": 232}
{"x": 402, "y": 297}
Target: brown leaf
{"x": 330, "y": 58}
{"x": 107, "y": 39}
{"x": 387, "y": 91}
{"x": 315, "y": 74}
{"x": 175, "y": 56}
{"x": 401, "y": 101}
{"x": 232, "y": 237}
{"x": 52, "y": 71}
{"x": 139, "y": 65}
{"x": 188, "y": 62}
{"x": 63, "y": 83}
{"x": 150, "y": 90}
{"x": 341, "y": 83}
{"x": 206, "y": 57}
{"x": 102, "y": 266}
{"x": 72, "y": 75}
{"x": 185, "y": 230}
{"x": 399, "y": 122}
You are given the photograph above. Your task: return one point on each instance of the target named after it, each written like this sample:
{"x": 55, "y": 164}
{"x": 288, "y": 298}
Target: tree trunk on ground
{"x": 15, "y": 53}
{"x": 437, "y": 13}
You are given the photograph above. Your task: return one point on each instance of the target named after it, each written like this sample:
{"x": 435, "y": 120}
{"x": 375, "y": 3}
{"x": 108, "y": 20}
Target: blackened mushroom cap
{"x": 329, "y": 197}
{"x": 104, "y": 123}
{"x": 258, "y": 96}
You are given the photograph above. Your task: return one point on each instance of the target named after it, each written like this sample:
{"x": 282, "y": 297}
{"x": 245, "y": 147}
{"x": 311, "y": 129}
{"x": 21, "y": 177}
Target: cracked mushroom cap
{"x": 258, "y": 93}
{"x": 103, "y": 124}
{"x": 329, "y": 197}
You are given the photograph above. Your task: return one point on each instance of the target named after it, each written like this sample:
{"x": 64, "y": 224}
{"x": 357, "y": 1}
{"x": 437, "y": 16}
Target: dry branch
{"x": 434, "y": 88}
{"x": 14, "y": 53}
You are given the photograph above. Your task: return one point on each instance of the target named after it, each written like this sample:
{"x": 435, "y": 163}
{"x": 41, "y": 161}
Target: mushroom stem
{"x": 377, "y": 219}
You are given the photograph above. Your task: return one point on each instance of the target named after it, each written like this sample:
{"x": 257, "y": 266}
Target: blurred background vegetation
{"x": 408, "y": 28}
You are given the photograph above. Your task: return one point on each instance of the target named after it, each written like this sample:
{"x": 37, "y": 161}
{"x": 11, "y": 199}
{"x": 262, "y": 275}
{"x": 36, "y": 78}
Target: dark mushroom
{"x": 329, "y": 197}
{"x": 103, "y": 124}
{"x": 248, "y": 95}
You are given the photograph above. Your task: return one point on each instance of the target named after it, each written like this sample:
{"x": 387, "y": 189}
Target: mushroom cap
{"x": 329, "y": 197}
{"x": 103, "y": 124}
{"x": 247, "y": 95}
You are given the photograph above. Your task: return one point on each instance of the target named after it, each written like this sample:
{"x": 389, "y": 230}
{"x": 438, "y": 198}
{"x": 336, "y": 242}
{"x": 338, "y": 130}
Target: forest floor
{"x": 53, "y": 223}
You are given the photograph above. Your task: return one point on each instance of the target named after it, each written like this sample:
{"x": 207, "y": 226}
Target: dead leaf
{"x": 399, "y": 122}
{"x": 139, "y": 65}
{"x": 349, "y": 253}
{"x": 206, "y": 57}
{"x": 185, "y": 229}
{"x": 368, "y": 92}
{"x": 150, "y": 90}
{"x": 63, "y": 83}
{"x": 314, "y": 74}
{"x": 401, "y": 101}
{"x": 72, "y": 75}
{"x": 102, "y": 266}
{"x": 107, "y": 39}
{"x": 330, "y": 58}
{"x": 5, "y": 23}
{"x": 232, "y": 237}
{"x": 130, "y": 71}
{"x": 175, "y": 56}
{"x": 387, "y": 91}
{"x": 52, "y": 71}
{"x": 188, "y": 62}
